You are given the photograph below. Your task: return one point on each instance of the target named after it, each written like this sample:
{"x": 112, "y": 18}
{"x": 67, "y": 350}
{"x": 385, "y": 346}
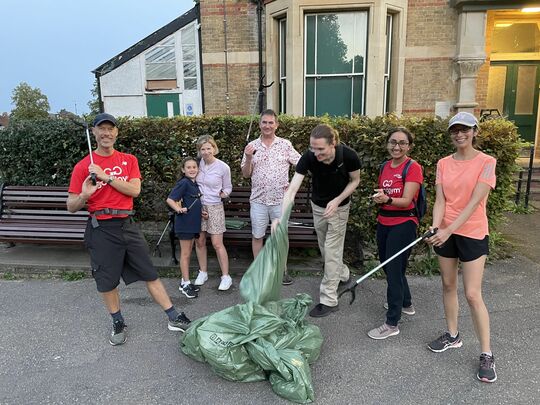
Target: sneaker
{"x": 225, "y": 284}
{"x": 287, "y": 280}
{"x": 118, "y": 333}
{"x": 486, "y": 371}
{"x": 406, "y": 310}
{"x": 188, "y": 291}
{"x": 383, "y": 332}
{"x": 202, "y": 278}
{"x": 444, "y": 342}
{"x": 180, "y": 324}
{"x": 321, "y": 310}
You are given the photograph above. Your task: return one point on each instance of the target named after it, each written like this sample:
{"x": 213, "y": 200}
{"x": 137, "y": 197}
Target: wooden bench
{"x": 301, "y": 231}
{"x": 38, "y": 215}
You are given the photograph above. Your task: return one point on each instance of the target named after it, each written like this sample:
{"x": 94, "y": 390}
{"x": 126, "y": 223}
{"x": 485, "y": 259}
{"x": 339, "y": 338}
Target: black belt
{"x": 397, "y": 213}
{"x": 108, "y": 211}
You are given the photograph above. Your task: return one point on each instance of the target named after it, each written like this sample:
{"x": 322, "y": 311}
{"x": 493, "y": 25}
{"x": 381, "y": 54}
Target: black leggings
{"x": 390, "y": 240}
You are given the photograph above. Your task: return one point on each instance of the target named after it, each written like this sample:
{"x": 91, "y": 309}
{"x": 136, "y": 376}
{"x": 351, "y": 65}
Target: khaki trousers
{"x": 331, "y": 238}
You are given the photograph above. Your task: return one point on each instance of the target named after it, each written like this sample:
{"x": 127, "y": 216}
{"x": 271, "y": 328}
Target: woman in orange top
{"x": 464, "y": 180}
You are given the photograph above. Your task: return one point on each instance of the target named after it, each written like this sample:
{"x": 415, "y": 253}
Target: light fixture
{"x": 531, "y": 10}
{"x": 502, "y": 25}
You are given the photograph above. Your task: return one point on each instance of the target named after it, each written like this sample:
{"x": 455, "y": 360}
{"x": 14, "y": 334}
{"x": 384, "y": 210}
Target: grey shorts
{"x": 118, "y": 249}
{"x": 261, "y": 215}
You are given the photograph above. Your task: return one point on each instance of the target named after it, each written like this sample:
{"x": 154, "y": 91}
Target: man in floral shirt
{"x": 267, "y": 161}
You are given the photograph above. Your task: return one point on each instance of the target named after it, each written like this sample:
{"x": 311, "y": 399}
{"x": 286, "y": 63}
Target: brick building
{"x": 344, "y": 57}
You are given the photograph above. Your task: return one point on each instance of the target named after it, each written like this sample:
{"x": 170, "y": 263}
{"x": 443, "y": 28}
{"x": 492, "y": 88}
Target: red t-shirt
{"x": 391, "y": 182}
{"x": 120, "y": 165}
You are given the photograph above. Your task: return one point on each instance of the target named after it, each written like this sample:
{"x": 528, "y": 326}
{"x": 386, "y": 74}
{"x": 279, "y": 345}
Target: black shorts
{"x": 187, "y": 236}
{"x": 118, "y": 249}
{"x": 464, "y": 248}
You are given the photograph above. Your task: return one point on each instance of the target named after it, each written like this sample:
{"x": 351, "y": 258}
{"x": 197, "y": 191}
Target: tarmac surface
{"x": 54, "y": 347}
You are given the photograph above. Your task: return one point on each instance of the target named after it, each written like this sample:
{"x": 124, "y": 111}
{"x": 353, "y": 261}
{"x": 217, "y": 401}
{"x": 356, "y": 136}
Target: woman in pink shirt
{"x": 464, "y": 180}
{"x": 214, "y": 181}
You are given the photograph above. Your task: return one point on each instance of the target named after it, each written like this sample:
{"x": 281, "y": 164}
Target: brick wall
{"x": 429, "y": 76}
{"x": 243, "y": 69}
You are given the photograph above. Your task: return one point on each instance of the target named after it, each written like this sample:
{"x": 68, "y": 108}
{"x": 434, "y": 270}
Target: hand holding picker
{"x": 352, "y": 288}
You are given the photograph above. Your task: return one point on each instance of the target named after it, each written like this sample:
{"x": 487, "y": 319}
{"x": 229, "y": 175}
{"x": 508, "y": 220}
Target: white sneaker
{"x": 201, "y": 278}
{"x": 226, "y": 282}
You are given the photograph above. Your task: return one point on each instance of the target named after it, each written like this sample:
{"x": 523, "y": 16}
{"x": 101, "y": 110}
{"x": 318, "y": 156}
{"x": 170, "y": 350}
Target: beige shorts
{"x": 215, "y": 224}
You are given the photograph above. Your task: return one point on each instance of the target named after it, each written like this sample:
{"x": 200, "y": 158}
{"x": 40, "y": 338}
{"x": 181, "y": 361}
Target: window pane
{"x": 515, "y": 37}
{"x": 310, "y": 96}
{"x": 333, "y": 96}
{"x": 496, "y": 85}
{"x": 188, "y": 35}
{"x": 358, "y": 95}
{"x": 282, "y": 48}
{"x": 525, "y": 89}
{"x": 190, "y": 69}
{"x": 282, "y": 97}
{"x": 160, "y": 71}
{"x": 188, "y": 53}
{"x": 335, "y": 43}
{"x": 310, "y": 44}
{"x": 190, "y": 84}
{"x": 360, "y": 41}
{"x": 160, "y": 54}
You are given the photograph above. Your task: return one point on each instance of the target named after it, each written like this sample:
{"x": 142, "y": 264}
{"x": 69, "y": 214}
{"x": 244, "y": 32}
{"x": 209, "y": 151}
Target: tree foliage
{"x": 30, "y": 103}
{"x": 93, "y": 104}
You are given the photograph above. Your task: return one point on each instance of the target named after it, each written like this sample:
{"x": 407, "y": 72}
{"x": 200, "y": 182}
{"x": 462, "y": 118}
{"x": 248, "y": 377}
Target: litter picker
{"x": 352, "y": 288}
{"x": 260, "y": 92}
{"x": 85, "y": 126}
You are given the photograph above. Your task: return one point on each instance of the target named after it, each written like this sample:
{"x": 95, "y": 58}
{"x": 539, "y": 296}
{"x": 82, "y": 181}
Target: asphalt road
{"x": 54, "y": 348}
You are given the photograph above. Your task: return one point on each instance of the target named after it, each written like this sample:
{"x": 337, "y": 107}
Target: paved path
{"x": 54, "y": 349}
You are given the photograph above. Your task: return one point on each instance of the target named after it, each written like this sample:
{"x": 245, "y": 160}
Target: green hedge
{"x": 43, "y": 152}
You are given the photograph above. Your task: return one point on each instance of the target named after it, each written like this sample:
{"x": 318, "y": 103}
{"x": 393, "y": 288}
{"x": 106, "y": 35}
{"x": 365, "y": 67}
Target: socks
{"x": 490, "y": 354}
{"x": 172, "y": 313}
{"x": 183, "y": 283}
{"x": 117, "y": 316}
{"x": 453, "y": 336}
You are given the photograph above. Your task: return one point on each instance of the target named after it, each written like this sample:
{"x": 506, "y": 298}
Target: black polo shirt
{"x": 329, "y": 180}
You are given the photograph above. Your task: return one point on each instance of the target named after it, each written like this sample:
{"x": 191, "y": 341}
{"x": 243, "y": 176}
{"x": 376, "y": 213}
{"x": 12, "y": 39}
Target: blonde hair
{"x": 206, "y": 139}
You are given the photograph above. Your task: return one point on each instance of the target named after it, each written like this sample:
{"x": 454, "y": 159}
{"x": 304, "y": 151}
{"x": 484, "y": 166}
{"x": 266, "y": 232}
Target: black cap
{"x": 101, "y": 118}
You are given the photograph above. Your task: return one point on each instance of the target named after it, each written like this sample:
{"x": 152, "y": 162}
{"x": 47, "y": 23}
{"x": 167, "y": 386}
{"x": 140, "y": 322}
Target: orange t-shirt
{"x": 458, "y": 179}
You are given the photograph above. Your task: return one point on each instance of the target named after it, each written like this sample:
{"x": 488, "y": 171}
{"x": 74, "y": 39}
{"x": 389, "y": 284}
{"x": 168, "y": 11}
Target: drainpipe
{"x": 226, "y": 58}
{"x": 259, "y": 29}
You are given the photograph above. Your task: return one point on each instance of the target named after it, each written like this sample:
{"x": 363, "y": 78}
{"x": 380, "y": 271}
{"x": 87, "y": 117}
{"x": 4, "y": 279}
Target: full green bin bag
{"x": 265, "y": 338}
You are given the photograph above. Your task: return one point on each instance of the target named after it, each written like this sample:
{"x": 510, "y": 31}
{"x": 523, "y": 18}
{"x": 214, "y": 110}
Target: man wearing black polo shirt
{"x": 335, "y": 171}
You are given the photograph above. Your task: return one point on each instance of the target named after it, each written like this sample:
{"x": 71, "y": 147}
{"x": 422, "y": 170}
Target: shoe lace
{"x": 486, "y": 361}
{"x": 118, "y": 327}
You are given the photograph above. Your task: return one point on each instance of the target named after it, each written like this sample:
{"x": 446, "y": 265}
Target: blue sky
{"x": 55, "y": 44}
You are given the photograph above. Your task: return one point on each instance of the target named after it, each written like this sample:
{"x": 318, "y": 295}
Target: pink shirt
{"x": 458, "y": 179}
{"x": 212, "y": 180}
{"x": 270, "y": 175}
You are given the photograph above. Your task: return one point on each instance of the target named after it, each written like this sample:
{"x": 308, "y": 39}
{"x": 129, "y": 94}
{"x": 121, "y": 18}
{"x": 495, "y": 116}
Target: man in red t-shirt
{"x": 116, "y": 245}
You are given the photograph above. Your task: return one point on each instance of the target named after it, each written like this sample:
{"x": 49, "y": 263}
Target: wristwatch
{"x": 389, "y": 202}
{"x": 111, "y": 179}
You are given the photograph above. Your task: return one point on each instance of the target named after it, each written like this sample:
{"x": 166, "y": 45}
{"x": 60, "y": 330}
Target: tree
{"x": 30, "y": 103}
{"x": 93, "y": 104}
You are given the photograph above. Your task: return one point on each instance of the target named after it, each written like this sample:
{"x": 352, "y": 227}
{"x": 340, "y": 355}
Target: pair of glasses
{"x": 401, "y": 144}
{"x": 455, "y": 131}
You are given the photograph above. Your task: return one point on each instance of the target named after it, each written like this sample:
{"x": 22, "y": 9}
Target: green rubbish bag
{"x": 264, "y": 338}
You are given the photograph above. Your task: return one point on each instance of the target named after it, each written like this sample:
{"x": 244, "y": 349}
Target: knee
{"x": 474, "y": 298}
{"x": 449, "y": 287}
{"x": 200, "y": 243}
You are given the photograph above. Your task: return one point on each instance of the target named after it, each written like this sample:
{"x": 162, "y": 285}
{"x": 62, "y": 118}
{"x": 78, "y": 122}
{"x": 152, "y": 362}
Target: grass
{"x": 73, "y": 275}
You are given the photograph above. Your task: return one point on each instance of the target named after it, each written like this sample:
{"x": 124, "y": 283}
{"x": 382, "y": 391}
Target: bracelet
{"x": 389, "y": 202}
{"x": 111, "y": 179}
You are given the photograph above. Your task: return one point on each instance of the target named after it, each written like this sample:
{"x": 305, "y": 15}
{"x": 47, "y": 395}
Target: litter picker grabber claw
{"x": 352, "y": 288}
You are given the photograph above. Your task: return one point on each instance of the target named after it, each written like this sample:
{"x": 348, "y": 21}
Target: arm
{"x": 354, "y": 181}
{"x": 131, "y": 188}
{"x": 409, "y": 191}
{"x": 288, "y": 198}
{"x": 247, "y": 160}
{"x": 226, "y": 183}
{"x": 481, "y": 191}
{"x": 75, "y": 201}
{"x": 176, "y": 206}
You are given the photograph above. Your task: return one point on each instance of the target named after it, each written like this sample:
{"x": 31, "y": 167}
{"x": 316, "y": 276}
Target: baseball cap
{"x": 463, "y": 118}
{"x": 100, "y": 118}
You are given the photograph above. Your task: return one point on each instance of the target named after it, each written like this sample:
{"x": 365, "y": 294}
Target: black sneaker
{"x": 180, "y": 324}
{"x": 445, "y": 342}
{"x": 118, "y": 333}
{"x": 486, "y": 371}
{"x": 188, "y": 291}
{"x": 321, "y": 310}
